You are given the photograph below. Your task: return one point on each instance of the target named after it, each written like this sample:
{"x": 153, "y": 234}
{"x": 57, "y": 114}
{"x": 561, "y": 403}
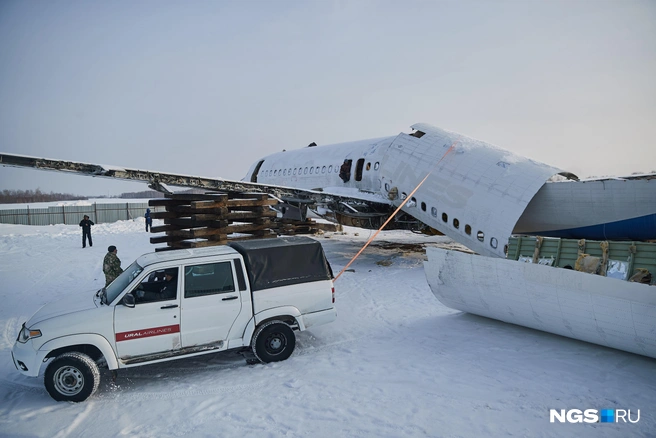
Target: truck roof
{"x": 283, "y": 261}
{"x": 183, "y": 254}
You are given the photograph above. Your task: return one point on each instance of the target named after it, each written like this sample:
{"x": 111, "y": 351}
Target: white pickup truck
{"x": 249, "y": 296}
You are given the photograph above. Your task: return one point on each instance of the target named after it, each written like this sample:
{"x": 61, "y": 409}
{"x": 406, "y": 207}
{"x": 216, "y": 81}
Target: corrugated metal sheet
{"x": 73, "y": 214}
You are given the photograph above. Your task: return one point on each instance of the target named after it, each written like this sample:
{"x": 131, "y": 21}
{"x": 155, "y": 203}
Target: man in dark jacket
{"x": 86, "y": 231}
{"x": 149, "y": 220}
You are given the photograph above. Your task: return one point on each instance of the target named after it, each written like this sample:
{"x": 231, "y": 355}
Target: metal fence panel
{"x": 73, "y": 214}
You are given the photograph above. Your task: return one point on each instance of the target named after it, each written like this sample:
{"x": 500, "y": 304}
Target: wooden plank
{"x": 206, "y": 217}
{"x": 245, "y": 228}
{"x": 252, "y": 210}
{"x": 163, "y": 228}
{"x": 208, "y": 204}
{"x": 197, "y": 232}
{"x": 249, "y": 215}
{"x": 163, "y": 214}
{"x": 185, "y": 210}
{"x": 218, "y": 237}
{"x": 166, "y": 239}
{"x": 190, "y": 223}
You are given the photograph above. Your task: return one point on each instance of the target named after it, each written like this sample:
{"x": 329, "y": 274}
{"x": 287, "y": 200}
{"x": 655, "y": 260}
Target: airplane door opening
{"x": 256, "y": 171}
{"x": 345, "y": 171}
{"x": 358, "y": 169}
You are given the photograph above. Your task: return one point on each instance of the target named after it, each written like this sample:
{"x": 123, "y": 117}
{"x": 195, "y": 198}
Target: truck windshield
{"x": 117, "y": 286}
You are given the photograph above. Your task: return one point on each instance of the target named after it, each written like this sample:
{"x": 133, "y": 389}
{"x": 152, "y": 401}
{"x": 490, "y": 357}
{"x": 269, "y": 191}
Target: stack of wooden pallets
{"x": 198, "y": 220}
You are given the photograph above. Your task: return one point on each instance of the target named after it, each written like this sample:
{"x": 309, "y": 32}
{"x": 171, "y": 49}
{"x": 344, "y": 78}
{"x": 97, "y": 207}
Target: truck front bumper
{"x": 26, "y": 359}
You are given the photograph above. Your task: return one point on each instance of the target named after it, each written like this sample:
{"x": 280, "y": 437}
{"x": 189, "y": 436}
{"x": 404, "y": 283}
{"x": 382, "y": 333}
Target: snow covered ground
{"x": 396, "y": 363}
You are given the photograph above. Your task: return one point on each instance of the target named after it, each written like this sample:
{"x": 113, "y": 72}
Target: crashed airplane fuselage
{"x": 474, "y": 192}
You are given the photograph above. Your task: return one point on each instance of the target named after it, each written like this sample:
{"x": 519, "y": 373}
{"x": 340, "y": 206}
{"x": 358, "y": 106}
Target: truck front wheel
{"x": 72, "y": 377}
{"x": 273, "y": 341}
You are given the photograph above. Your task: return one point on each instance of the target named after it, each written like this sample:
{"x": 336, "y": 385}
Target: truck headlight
{"x": 27, "y": 334}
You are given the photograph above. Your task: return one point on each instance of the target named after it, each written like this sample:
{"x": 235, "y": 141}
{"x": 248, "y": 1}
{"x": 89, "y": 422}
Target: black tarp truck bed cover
{"x": 283, "y": 261}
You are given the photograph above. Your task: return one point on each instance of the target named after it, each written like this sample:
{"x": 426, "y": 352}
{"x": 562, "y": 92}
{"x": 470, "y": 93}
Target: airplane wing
{"x": 159, "y": 180}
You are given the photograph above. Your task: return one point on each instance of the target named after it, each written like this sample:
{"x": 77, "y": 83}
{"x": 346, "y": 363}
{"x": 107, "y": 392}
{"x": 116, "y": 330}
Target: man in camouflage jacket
{"x": 111, "y": 265}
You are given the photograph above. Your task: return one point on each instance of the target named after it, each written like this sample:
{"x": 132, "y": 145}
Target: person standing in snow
{"x": 149, "y": 220}
{"x": 111, "y": 265}
{"x": 86, "y": 231}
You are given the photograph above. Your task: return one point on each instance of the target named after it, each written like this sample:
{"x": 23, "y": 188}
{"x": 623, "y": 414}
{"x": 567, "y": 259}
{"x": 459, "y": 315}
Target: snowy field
{"x": 396, "y": 363}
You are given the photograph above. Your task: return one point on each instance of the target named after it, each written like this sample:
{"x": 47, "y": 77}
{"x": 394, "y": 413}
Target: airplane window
{"x": 284, "y": 172}
{"x": 433, "y": 211}
{"x": 376, "y": 166}
{"x": 275, "y": 173}
{"x": 423, "y": 206}
{"x": 480, "y": 236}
{"x": 330, "y": 168}
{"x": 305, "y": 171}
{"x": 468, "y": 229}
{"x": 445, "y": 218}
{"x": 289, "y": 172}
{"x": 368, "y": 166}
{"x": 294, "y": 171}
{"x": 317, "y": 170}
{"x": 456, "y": 223}
{"x": 323, "y": 169}
{"x": 311, "y": 170}
{"x": 494, "y": 243}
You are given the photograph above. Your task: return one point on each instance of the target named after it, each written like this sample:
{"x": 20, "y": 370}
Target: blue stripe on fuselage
{"x": 639, "y": 228}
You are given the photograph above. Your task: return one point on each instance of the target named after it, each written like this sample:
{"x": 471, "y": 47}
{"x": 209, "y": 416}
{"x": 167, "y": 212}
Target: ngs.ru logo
{"x": 592, "y": 416}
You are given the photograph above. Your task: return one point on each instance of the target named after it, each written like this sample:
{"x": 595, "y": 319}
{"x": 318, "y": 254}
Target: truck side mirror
{"x": 128, "y": 300}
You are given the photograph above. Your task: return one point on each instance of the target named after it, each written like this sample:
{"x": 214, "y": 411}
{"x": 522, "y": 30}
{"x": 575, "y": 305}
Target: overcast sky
{"x": 207, "y": 88}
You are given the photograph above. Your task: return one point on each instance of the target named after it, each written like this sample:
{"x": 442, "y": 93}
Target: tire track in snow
{"x": 124, "y": 396}
{"x": 9, "y": 332}
{"x": 77, "y": 422}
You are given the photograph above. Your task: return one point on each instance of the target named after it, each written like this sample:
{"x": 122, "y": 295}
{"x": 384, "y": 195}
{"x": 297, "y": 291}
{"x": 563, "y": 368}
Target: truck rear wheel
{"x": 273, "y": 341}
{"x": 72, "y": 377}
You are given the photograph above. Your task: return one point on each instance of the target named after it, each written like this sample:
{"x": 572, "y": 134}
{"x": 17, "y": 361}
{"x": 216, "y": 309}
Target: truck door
{"x": 210, "y": 305}
{"x": 153, "y": 325}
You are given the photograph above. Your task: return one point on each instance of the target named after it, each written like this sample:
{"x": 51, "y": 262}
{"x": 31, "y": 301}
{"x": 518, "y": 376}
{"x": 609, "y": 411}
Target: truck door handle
{"x": 229, "y": 298}
{"x": 171, "y": 306}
